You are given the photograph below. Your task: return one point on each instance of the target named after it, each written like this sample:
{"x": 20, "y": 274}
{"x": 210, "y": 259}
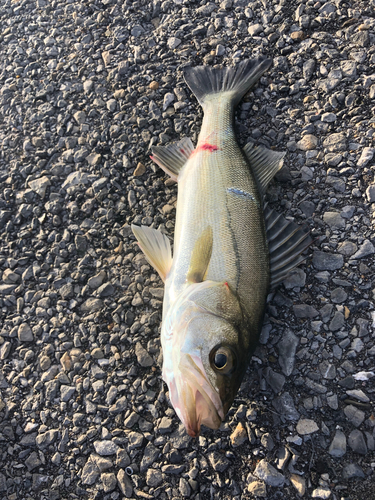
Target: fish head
{"x": 204, "y": 362}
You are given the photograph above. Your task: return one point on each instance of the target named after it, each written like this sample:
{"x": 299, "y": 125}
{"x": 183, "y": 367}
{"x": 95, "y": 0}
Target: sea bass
{"x": 229, "y": 250}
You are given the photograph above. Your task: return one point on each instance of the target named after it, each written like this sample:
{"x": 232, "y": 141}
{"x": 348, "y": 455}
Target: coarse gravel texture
{"x": 86, "y": 88}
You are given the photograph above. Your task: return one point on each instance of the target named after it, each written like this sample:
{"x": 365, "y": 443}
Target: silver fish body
{"x": 217, "y": 283}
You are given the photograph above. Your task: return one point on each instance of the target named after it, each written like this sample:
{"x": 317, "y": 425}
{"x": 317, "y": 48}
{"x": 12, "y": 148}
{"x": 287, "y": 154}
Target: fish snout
{"x": 199, "y": 403}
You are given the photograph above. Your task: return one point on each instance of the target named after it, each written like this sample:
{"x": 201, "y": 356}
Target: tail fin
{"x": 205, "y": 80}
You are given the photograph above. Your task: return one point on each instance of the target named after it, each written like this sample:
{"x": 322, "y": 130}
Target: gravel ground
{"x": 86, "y": 89}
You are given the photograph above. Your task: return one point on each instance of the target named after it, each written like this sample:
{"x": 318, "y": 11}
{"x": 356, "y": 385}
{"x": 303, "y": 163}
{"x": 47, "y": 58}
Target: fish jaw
{"x": 193, "y": 397}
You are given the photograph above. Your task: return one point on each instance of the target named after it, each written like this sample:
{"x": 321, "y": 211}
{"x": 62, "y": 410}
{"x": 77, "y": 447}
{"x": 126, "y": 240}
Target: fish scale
{"x": 239, "y": 253}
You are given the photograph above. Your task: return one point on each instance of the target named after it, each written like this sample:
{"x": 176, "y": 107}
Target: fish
{"x": 229, "y": 250}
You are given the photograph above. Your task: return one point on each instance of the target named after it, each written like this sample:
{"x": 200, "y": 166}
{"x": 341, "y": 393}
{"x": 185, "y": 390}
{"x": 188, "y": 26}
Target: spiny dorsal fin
{"x": 156, "y": 247}
{"x": 173, "y": 157}
{"x": 264, "y": 162}
{"x": 286, "y": 242}
{"x": 201, "y": 256}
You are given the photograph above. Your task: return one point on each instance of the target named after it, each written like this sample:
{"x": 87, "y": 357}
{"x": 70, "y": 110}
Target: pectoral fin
{"x": 156, "y": 247}
{"x": 264, "y": 162}
{"x": 173, "y": 157}
{"x": 201, "y": 256}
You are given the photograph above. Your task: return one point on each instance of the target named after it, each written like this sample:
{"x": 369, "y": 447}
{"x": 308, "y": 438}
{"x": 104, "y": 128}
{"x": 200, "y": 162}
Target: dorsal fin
{"x": 173, "y": 157}
{"x": 286, "y": 242}
{"x": 201, "y": 256}
{"x": 264, "y": 163}
{"x": 156, "y": 247}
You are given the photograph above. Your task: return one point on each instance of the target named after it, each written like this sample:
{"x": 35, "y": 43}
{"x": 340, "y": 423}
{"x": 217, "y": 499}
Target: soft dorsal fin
{"x": 264, "y": 162}
{"x": 173, "y": 157}
{"x": 286, "y": 242}
{"x": 156, "y": 247}
{"x": 200, "y": 257}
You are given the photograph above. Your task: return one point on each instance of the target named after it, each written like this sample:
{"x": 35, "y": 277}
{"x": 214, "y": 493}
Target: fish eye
{"x": 222, "y": 359}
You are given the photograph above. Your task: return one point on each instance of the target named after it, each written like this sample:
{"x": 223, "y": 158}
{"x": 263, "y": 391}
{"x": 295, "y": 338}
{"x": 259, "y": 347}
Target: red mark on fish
{"x": 206, "y": 147}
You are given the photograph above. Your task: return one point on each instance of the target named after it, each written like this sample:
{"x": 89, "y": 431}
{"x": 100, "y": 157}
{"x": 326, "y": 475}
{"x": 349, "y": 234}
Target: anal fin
{"x": 286, "y": 242}
{"x": 173, "y": 157}
{"x": 156, "y": 247}
{"x": 264, "y": 162}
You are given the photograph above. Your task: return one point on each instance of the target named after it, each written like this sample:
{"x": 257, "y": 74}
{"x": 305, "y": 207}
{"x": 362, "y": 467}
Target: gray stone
{"x": 40, "y": 185}
{"x": 25, "y": 333}
{"x": 184, "y": 488}
{"x": 308, "y": 208}
{"x": 174, "y": 469}
{"x": 284, "y": 404}
{"x": 218, "y": 461}
{"x": 173, "y": 42}
{"x": 257, "y": 489}
{"x": 306, "y": 426}
{"x": 165, "y": 425}
{"x": 109, "y": 481}
{"x": 296, "y": 278}
{"x": 124, "y": 483}
{"x": 135, "y": 440}
{"x": 333, "y": 402}
{"x": 324, "y": 261}
{"x": 347, "y": 212}
{"x": 106, "y": 290}
{"x": 267, "y": 441}
{"x": 105, "y": 448}
{"x": 352, "y": 470}
{"x": 66, "y": 392}
{"x": 274, "y": 379}
{"x": 334, "y": 220}
{"x": 154, "y": 478}
{"x": 335, "y": 142}
{"x": 347, "y": 248}
{"x": 305, "y": 311}
{"x": 43, "y": 440}
{"x": 366, "y": 249}
{"x": 336, "y": 183}
{"x": 338, "y": 446}
{"x": 287, "y": 352}
{"x": 119, "y": 406}
{"x": 7, "y": 289}
{"x": 91, "y": 305}
{"x": 354, "y": 415}
{"x": 366, "y": 157}
{"x": 143, "y": 357}
{"x": 328, "y": 370}
{"x": 357, "y": 442}
{"x": 283, "y": 456}
{"x": 74, "y": 179}
{"x": 33, "y": 461}
{"x": 95, "y": 281}
{"x": 370, "y": 193}
{"x": 66, "y": 291}
{"x": 150, "y": 455}
{"x": 269, "y": 474}
{"x": 358, "y": 394}
{"x": 255, "y": 29}
{"x": 338, "y": 321}
{"x": 307, "y": 143}
{"x": 321, "y": 492}
{"x": 338, "y": 295}
{"x": 80, "y": 117}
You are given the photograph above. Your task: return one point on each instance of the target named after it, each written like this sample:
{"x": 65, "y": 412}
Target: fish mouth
{"x": 200, "y": 403}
